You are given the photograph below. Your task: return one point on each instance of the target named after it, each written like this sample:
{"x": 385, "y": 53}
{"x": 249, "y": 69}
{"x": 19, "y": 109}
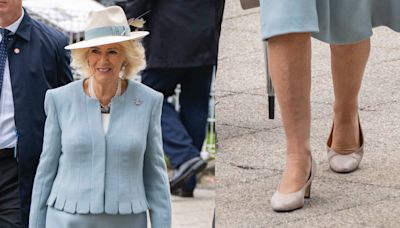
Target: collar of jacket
{"x": 24, "y": 29}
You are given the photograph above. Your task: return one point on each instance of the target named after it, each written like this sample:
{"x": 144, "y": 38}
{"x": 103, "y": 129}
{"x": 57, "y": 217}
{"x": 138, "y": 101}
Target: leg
{"x": 348, "y": 65}
{"x": 178, "y": 144}
{"x": 194, "y": 100}
{"x": 290, "y": 66}
{"x": 162, "y": 80}
{"x": 10, "y": 214}
{"x": 176, "y": 141}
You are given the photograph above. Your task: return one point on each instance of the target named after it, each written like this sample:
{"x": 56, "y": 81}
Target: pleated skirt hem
{"x": 61, "y": 219}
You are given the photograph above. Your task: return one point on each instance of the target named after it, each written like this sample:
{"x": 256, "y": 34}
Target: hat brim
{"x": 106, "y": 40}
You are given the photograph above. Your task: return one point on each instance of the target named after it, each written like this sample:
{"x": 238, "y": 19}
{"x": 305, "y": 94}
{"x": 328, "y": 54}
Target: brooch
{"x": 137, "y": 101}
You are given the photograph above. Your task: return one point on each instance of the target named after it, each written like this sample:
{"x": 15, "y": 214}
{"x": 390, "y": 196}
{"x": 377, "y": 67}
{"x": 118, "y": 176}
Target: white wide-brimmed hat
{"x": 107, "y": 26}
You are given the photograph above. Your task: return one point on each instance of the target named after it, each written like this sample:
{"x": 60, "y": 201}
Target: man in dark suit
{"x": 181, "y": 49}
{"x": 32, "y": 60}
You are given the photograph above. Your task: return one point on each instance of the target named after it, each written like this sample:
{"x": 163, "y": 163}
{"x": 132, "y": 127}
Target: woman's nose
{"x": 104, "y": 57}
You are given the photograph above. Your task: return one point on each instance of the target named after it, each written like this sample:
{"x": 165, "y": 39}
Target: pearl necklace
{"x": 104, "y": 108}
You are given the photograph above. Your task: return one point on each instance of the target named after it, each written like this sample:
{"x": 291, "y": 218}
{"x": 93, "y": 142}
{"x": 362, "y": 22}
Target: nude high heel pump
{"x": 345, "y": 163}
{"x": 284, "y": 202}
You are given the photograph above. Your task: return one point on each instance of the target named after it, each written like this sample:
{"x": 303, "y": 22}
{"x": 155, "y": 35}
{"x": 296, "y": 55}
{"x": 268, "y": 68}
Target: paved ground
{"x": 196, "y": 212}
{"x": 251, "y": 149}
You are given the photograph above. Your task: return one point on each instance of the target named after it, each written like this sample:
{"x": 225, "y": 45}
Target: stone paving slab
{"x": 225, "y": 131}
{"x": 385, "y": 37}
{"x": 264, "y": 148}
{"x": 261, "y": 147}
{"x": 245, "y": 31}
{"x": 245, "y": 52}
{"x": 243, "y": 110}
{"x": 233, "y": 9}
{"x": 377, "y": 214}
{"x": 194, "y": 212}
{"x": 248, "y": 205}
{"x": 379, "y": 87}
{"x": 381, "y": 129}
{"x": 243, "y": 175}
{"x": 248, "y": 74}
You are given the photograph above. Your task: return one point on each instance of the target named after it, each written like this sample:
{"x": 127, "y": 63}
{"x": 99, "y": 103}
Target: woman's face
{"x": 105, "y": 62}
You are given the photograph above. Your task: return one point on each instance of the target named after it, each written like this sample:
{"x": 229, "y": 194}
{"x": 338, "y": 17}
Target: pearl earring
{"x": 122, "y": 72}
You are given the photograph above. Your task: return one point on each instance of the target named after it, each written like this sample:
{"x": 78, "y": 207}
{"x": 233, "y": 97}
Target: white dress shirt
{"x": 8, "y": 132}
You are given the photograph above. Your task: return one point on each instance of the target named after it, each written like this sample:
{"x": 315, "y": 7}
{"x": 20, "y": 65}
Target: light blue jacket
{"x": 83, "y": 170}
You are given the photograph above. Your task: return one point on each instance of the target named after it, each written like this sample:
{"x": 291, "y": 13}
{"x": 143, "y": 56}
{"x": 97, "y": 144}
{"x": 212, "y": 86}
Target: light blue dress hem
{"x": 331, "y": 21}
{"x": 278, "y": 27}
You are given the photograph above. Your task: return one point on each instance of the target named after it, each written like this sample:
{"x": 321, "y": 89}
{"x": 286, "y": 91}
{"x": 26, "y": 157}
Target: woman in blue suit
{"x": 102, "y": 161}
{"x": 347, "y": 26}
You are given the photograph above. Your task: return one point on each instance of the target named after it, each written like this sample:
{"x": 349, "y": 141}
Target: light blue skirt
{"x": 61, "y": 219}
{"x": 331, "y": 21}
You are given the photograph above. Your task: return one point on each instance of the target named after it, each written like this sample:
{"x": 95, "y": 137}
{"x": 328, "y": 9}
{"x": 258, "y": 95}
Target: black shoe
{"x": 185, "y": 171}
{"x": 181, "y": 193}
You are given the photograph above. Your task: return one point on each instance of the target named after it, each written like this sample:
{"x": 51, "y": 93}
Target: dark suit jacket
{"x": 41, "y": 64}
{"x": 182, "y": 33}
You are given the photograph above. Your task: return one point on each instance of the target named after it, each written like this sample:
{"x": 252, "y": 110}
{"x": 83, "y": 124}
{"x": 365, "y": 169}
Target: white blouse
{"x": 105, "y": 117}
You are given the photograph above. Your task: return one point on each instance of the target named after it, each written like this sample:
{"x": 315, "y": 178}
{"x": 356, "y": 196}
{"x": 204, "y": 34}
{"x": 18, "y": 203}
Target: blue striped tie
{"x": 3, "y": 55}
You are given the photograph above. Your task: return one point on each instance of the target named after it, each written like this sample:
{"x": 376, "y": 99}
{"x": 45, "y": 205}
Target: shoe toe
{"x": 185, "y": 171}
{"x": 343, "y": 163}
{"x": 181, "y": 193}
{"x": 287, "y": 202}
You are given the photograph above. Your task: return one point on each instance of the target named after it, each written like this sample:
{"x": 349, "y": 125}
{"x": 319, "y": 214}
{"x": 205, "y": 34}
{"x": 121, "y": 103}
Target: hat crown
{"x": 107, "y": 26}
{"x": 108, "y": 17}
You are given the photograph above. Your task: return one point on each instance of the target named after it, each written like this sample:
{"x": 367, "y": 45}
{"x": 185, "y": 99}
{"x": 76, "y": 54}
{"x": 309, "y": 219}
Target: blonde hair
{"x": 133, "y": 52}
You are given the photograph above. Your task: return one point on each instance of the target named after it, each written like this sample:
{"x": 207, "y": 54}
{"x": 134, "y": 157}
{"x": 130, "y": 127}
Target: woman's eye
{"x": 94, "y": 51}
{"x": 113, "y": 52}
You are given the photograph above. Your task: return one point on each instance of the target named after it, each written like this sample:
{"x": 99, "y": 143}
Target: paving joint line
{"x": 236, "y": 126}
{"x": 262, "y": 129}
{"x": 246, "y": 181}
{"x": 238, "y": 16}
{"x": 226, "y": 27}
{"x": 390, "y": 60}
{"x": 339, "y": 210}
{"x": 360, "y": 183}
{"x": 245, "y": 92}
{"x": 248, "y": 167}
{"x": 365, "y": 108}
{"x": 252, "y": 132}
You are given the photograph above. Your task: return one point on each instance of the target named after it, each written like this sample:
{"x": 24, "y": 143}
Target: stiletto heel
{"x": 283, "y": 202}
{"x": 307, "y": 194}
